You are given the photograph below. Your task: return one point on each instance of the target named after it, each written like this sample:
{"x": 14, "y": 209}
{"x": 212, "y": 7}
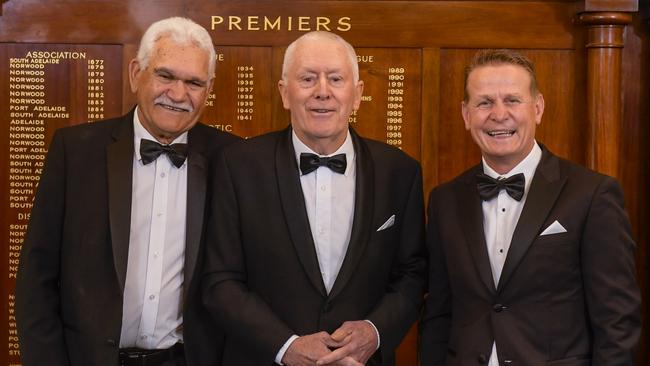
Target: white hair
{"x": 317, "y": 36}
{"x": 180, "y": 30}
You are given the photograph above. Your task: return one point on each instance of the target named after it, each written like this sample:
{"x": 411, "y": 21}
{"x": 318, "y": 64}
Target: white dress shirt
{"x": 152, "y": 309}
{"x": 329, "y": 199}
{"x": 500, "y": 217}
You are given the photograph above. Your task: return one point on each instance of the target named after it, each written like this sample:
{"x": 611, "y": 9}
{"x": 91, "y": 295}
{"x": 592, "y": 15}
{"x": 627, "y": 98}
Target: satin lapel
{"x": 119, "y": 165}
{"x": 363, "y": 213}
{"x": 295, "y": 213}
{"x": 471, "y": 219}
{"x": 197, "y": 167}
{"x": 544, "y": 191}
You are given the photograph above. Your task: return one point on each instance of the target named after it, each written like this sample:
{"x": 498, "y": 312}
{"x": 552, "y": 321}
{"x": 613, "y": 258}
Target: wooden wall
{"x": 592, "y": 61}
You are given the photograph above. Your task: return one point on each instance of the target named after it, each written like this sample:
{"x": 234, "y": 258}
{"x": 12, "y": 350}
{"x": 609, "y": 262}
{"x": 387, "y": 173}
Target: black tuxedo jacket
{"x": 74, "y": 257}
{"x": 563, "y": 299}
{"x": 262, "y": 281}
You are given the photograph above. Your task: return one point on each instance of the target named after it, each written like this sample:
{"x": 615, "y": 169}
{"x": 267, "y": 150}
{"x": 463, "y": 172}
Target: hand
{"x": 354, "y": 339}
{"x": 306, "y": 350}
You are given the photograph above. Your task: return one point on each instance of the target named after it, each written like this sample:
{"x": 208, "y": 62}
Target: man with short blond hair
{"x": 531, "y": 259}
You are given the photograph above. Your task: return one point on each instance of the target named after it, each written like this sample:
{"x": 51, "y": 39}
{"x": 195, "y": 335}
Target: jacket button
{"x": 110, "y": 342}
{"x": 327, "y": 307}
{"x": 482, "y": 359}
{"x": 499, "y": 308}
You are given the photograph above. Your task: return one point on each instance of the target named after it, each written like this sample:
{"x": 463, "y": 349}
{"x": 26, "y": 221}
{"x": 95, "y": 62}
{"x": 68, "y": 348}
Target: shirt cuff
{"x": 376, "y": 332}
{"x": 283, "y": 350}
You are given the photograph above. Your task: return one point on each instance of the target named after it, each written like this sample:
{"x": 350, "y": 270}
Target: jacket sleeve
{"x": 242, "y": 313}
{"x": 608, "y": 271}
{"x": 436, "y": 320}
{"x": 37, "y": 287}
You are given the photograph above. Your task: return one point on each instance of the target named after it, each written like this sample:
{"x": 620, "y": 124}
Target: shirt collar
{"x": 526, "y": 166}
{"x": 139, "y": 132}
{"x": 347, "y": 148}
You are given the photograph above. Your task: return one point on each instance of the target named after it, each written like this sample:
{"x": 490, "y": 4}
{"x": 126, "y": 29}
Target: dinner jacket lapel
{"x": 471, "y": 219}
{"x": 363, "y": 213}
{"x": 119, "y": 165}
{"x": 544, "y": 191}
{"x": 295, "y": 212}
{"x": 197, "y": 171}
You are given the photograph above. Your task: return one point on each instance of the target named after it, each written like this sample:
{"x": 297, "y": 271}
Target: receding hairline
{"x": 501, "y": 57}
{"x": 182, "y": 31}
{"x": 316, "y": 36}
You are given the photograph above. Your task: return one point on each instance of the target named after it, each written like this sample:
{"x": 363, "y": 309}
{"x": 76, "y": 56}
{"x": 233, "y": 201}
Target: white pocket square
{"x": 554, "y": 228}
{"x": 390, "y": 222}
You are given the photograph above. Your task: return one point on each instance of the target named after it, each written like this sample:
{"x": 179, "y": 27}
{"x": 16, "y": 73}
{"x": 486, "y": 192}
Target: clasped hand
{"x": 352, "y": 344}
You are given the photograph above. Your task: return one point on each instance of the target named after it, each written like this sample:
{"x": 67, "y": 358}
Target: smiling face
{"x": 320, "y": 91}
{"x": 172, "y": 89}
{"x": 502, "y": 113}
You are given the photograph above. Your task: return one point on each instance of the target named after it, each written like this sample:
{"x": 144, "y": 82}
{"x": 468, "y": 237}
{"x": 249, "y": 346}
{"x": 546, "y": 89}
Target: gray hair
{"x": 180, "y": 30}
{"x": 316, "y": 36}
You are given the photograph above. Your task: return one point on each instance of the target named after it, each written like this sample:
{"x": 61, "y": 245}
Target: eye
{"x": 165, "y": 77}
{"x": 307, "y": 80}
{"x": 336, "y": 79}
{"x": 484, "y": 104}
{"x": 512, "y": 101}
{"x": 195, "y": 84}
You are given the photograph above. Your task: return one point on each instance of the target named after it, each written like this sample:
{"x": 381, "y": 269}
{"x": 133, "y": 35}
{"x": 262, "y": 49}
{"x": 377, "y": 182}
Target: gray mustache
{"x": 163, "y": 99}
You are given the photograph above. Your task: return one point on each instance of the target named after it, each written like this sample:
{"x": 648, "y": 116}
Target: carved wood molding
{"x": 605, "y": 44}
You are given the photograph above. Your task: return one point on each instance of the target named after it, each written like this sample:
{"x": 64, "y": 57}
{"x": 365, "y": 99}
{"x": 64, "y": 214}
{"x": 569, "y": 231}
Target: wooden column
{"x": 604, "y": 112}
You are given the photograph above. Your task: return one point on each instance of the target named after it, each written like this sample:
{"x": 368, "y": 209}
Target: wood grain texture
{"x": 592, "y": 69}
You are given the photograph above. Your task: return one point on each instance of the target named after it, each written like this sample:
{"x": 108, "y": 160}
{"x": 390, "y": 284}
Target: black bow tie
{"x": 310, "y": 162}
{"x": 489, "y": 187}
{"x": 151, "y": 150}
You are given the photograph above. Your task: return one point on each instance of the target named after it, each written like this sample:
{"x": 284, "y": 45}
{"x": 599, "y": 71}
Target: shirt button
{"x": 151, "y": 297}
{"x": 144, "y": 336}
{"x": 162, "y": 175}
{"x": 155, "y": 254}
{"x": 503, "y": 210}
{"x": 323, "y": 188}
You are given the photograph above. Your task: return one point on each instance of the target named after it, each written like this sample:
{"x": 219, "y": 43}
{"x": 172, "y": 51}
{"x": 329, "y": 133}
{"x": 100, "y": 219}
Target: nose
{"x": 499, "y": 111}
{"x": 322, "y": 90}
{"x": 177, "y": 91}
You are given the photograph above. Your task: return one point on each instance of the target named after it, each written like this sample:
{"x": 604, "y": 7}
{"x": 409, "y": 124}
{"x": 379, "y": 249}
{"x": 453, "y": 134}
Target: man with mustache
{"x": 531, "y": 259}
{"x": 315, "y": 243}
{"x": 108, "y": 271}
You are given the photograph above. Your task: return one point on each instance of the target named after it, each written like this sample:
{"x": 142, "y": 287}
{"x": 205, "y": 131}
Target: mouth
{"x": 173, "y": 108}
{"x": 321, "y": 110}
{"x": 501, "y": 133}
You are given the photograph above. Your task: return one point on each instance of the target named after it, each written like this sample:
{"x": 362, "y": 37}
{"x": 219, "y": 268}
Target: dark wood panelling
{"x": 435, "y": 38}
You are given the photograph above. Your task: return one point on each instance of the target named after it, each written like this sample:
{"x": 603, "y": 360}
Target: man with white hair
{"x": 108, "y": 267}
{"x": 314, "y": 253}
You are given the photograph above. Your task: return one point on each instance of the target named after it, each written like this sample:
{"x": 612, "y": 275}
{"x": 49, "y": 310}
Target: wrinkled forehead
{"x": 181, "y": 58}
{"x": 504, "y": 76}
{"x": 320, "y": 55}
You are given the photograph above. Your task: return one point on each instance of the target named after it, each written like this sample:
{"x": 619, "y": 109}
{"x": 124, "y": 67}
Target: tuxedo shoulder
{"x": 584, "y": 176}
{"x": 389, "y": 154}
{"x": 466, "y": 177}
{"x": 254, "y": 147}
{"x": 92, "y": 132}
